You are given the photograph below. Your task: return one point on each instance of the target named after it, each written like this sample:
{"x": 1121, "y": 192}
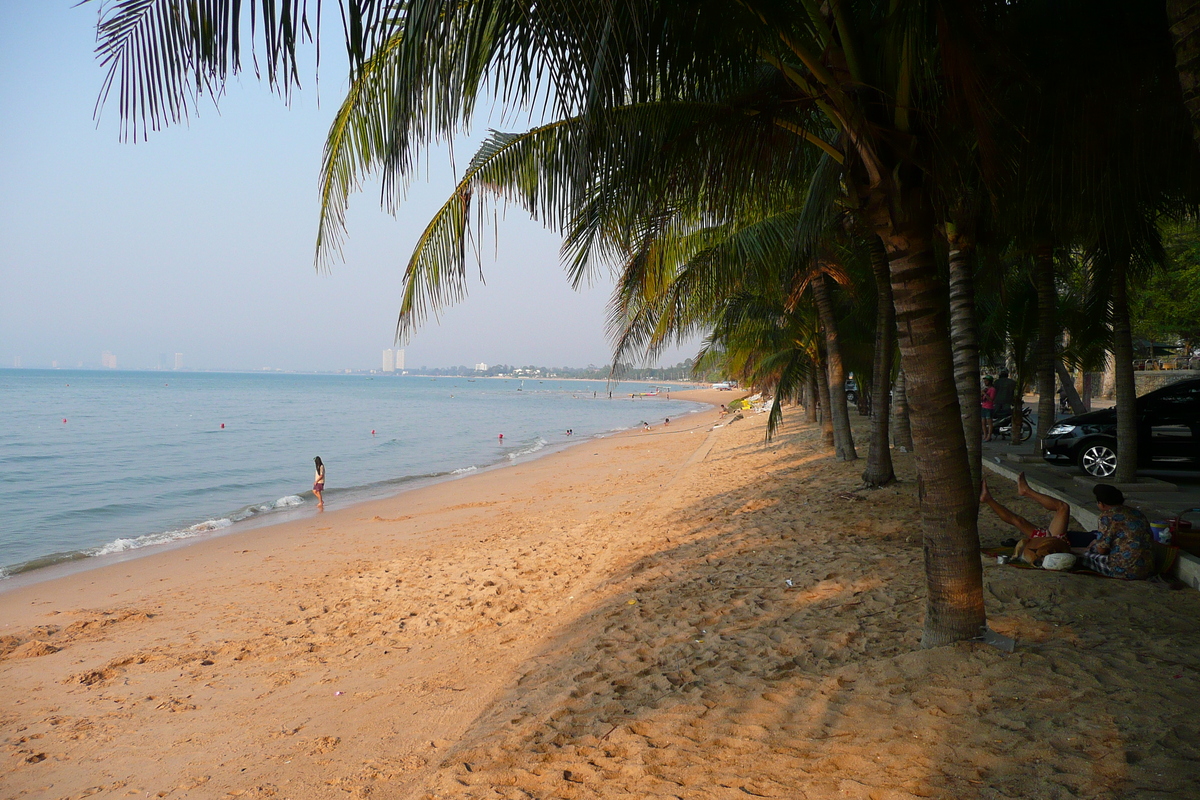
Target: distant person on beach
{"x": 668, "y": 422}
{"x": 1125, "y": 546}
{"x": 987, "y": 402}
{"x": 319, "y": 482}
{"x": 724, "y": 411}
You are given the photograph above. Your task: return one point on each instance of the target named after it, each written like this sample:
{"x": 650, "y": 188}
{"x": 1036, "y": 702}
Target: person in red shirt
{"x": 987, "y": 403}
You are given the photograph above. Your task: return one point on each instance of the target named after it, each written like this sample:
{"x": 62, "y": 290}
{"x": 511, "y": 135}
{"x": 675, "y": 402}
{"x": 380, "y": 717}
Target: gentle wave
{"x": 462, "y": 470}
{"x": 250, "y": 511}
{"x": 124, "y": 544}
{"x": 538, "y": 444}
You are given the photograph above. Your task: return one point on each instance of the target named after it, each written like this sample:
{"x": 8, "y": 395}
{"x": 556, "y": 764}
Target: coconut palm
{"x": 873, "y": 74}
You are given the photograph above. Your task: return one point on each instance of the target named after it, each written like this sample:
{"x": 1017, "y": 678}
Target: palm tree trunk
{"x": 879, "y": 471}
{"x": 1108, "y": 383}
{"x": 843, "y": 438}
{"x": 901, "y": 425}
{"x": 1184, "y": 16}
{"x": 1069, "y": 391}
{"x": 1126, "y": 392}
{"x": 863, "y": 400}
{"x": 964, "y": 337}
{"x": 810, "y": 399}
{"x": 823, "y": 395}
{"x": 1043, "y": 279}
{"x": 954, "y": 609}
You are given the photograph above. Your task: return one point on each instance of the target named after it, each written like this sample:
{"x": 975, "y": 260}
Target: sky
{"x": 200, "y": 240}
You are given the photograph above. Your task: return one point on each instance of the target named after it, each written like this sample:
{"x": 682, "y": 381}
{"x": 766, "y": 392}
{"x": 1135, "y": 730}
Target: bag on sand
{"x": 1032, "y": 551}
{"x": 1058, "y": 561}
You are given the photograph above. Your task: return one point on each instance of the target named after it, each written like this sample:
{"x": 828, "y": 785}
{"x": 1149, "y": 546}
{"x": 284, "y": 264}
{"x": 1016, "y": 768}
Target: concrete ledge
{"x": 1087, "y": 516}
{"x": 1189, "y": 569}
{"x": 1024, "y": 458}
{"x": 1143, "y": 485}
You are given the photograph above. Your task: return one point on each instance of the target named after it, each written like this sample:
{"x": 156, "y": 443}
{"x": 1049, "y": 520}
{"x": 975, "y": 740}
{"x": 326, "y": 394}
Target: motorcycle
{"x": 1002, "y": 426}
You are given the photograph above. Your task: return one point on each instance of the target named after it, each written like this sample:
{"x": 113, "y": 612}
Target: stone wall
{"x": 1148, "y": 380}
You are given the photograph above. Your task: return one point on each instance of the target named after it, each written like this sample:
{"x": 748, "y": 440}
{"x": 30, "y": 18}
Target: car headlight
{"x": 1062, "y": 430}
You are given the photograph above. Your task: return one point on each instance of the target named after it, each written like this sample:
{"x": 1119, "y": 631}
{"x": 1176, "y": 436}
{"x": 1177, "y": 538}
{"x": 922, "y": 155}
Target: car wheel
{"x": 1098, "y": 460}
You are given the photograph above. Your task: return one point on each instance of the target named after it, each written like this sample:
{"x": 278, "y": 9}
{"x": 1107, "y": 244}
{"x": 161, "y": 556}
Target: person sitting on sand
{"x": 1125, "y": 546}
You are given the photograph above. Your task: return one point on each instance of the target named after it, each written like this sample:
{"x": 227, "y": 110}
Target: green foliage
{"x": 1166, "y": 306}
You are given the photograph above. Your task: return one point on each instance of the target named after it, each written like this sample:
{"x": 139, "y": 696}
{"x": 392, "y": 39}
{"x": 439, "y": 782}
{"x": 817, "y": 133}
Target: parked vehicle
{"x": 851, "y": 390}
{"x": 1002, "y": 425}
{"x": 1168, "y": 433}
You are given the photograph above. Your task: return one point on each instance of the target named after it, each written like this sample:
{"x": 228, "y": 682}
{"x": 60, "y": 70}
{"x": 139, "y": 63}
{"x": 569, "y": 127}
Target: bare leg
{"x": 1062, "y": 510}
{"x": 320, "y": 499}
{"x": 1016, "y": 520}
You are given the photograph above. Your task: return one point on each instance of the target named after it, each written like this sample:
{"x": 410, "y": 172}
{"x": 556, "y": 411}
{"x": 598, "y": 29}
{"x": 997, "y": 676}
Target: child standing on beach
{"x": 319, "y": 482}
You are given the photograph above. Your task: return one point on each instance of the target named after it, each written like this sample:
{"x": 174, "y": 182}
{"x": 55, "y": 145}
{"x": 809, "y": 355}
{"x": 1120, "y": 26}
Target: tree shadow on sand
{"x": 767, "y": 645}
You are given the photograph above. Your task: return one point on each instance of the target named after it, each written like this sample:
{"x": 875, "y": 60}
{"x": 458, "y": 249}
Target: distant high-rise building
{"x": 389, "y": 360}
{"x": 481, "y": 367}
{"x": 54, "y": 365}
{"x": 108, "y": 360}
{"x": 17, "y": 362}
{"x": 400, "y": 360}
{"x": 179, "y": 361}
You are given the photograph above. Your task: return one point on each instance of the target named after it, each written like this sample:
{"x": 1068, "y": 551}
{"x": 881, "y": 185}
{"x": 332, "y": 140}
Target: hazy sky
{"x": 200, "y": 241}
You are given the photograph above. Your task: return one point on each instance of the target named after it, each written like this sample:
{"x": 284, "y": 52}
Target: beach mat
{"x": 1166, "y": 557}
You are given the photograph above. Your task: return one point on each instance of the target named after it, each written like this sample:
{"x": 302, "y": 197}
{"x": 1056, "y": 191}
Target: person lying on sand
{"x": 1058, "y": 523}
{"x": 1035, "y": 543}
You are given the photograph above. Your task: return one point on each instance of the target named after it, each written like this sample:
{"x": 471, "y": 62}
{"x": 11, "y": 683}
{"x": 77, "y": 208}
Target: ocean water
{"x": 94, "y": 463}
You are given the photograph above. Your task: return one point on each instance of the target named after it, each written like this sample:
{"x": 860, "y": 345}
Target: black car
{"x": 1168, "y": 421}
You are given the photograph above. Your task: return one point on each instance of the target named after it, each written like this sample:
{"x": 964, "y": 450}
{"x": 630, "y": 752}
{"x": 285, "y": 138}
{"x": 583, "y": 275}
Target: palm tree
{"x": 864, "y": 81}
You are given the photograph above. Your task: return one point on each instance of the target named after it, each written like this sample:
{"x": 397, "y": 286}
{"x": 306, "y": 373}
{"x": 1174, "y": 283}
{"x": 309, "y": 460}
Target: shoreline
{"x": 54, "y": 566}
{"x": 699, "y": 614}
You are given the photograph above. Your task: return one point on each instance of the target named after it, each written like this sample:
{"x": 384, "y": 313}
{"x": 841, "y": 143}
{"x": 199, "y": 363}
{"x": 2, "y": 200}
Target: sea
{"x": 98, "y": 463}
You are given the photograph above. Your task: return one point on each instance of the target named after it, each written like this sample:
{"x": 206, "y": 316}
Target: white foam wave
{"x": 538, "y": 444}
{"x": 283, "y": 502}
{"x": 122, "y": 545}
{"x": 163, "y": 537}
{"x": 461, "y": 470}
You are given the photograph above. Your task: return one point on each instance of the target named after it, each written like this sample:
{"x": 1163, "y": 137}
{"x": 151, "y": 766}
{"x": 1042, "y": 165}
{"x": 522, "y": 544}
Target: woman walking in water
{"x": 319, "y": 482}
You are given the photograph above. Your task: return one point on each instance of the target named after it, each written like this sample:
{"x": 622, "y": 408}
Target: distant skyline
{"x": 200, "y": 241}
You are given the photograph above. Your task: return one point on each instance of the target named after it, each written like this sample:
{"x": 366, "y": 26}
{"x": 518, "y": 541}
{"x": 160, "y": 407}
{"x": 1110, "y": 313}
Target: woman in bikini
{"x": 319, "y": 482}
{"x": 1035, "y": 543}
{"x": 1058, "y": 523}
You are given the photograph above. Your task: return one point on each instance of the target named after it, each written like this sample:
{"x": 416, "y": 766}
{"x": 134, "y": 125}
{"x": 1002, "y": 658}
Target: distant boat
{"x": 521, "y": 388}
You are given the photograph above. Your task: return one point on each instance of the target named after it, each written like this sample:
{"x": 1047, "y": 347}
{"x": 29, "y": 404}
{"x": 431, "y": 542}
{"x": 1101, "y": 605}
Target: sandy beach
{"x": 691, "y": 612}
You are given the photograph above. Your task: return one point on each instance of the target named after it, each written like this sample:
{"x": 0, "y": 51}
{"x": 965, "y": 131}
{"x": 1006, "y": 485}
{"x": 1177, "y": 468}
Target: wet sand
{"x": 615, "y": 620}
